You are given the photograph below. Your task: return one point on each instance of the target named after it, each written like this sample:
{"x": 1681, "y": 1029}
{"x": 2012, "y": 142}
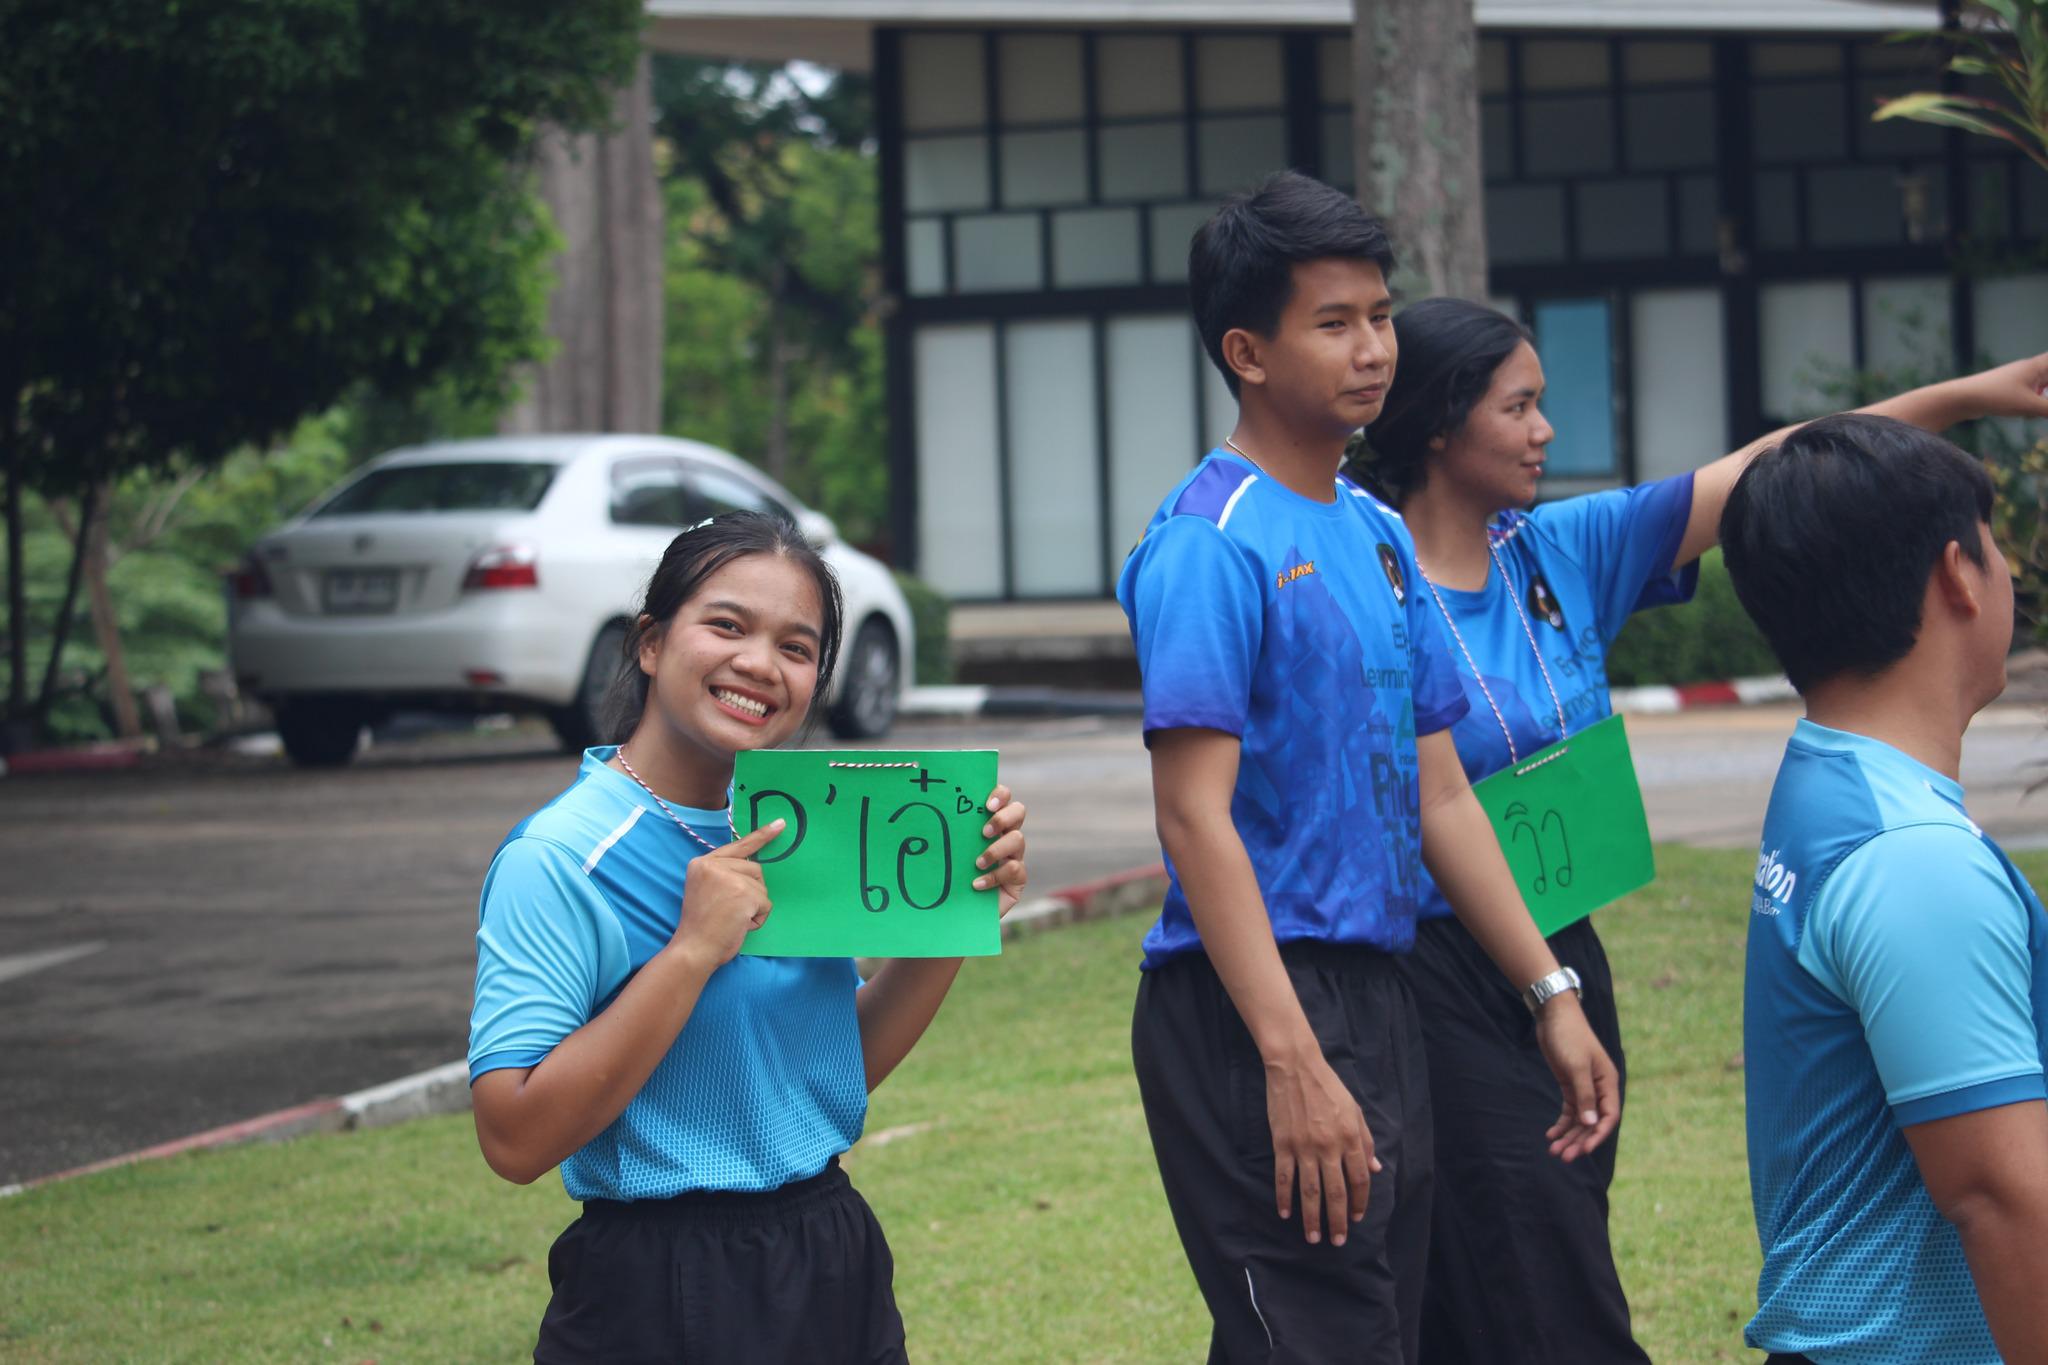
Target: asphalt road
{"x": 202, "y": 941}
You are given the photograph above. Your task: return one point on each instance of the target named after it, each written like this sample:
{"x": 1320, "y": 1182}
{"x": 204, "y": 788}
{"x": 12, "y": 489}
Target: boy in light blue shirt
{"x": 1895, "y": 1012}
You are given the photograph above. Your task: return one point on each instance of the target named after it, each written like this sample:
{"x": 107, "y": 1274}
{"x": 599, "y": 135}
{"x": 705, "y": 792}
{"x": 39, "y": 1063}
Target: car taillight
{"x": 250, "y": 579}
{"x": 504, "y": 566}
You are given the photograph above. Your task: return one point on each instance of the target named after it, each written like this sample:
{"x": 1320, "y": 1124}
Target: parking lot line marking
{"x": 23, "y": 964}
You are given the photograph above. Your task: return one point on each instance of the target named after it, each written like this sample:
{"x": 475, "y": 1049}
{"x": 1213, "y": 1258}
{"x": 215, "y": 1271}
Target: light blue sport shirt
{"x": 1897, "y": 974}
{"x": 1297, "y": 626}
{"x": 1577, "y": 568}
{"x": 764, "y": 1085}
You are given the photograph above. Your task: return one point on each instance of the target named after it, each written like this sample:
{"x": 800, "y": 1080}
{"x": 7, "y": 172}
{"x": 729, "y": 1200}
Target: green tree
{"x": 220, "y": 217}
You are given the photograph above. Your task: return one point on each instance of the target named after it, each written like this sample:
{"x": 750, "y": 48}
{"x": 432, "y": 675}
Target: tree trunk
{"x": 106, "y": 625}
{"x": 1415, "y": 125}
{"x": 605, "y": 312}
{"x": 60, "y": 629}
{"x": 777, "y": 453}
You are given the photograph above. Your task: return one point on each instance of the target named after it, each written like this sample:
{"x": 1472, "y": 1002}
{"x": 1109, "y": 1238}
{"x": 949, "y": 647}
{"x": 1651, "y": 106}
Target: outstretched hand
{"x": 2018, "y": 389}
{"x": 1003, "y": 859}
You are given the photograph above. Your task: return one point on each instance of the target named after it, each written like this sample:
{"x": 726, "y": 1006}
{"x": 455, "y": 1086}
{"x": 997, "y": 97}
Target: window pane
{"x": 1496, "y": 140}
{"x": 713, "y": 491}
{"x": 1793, "y": 59}
{"x": 943, "y": 82}
{"x": 1777, "y": 210}
{"x": 1578, "y": 372}
{"x": 1698, "y": 216}
{"x": 1138, "y": 76}
{"x": 1853, "y": 206}
{"x": 1236, "y": 153}
{"x": 1238, "y": 73}
{"x": 1668, "y": 129}
{"x": 997, "y": 252}
{"x": 1623, "y": 219}
{"x": 648, "y": 492}
{"x": 1173, "y": 231}
{"x": 458, "y": 486}
{"x": 1045, "y": 168}
{"x": 1338, "y": 166}
{"x": 1907, "y": 326}
{"x": 945, "y": 173}
{"x": 1143, "y": 161}
{"x": 1895, "y": 136}
{"x": 1095, "y": 247}
{"x": 1152, "y": 440}
{"x": 1661, "y": 63}
{"x": 924, "y": 241}
{"x": 1525, "y": 224}
{"x": 1493, "y": 66}
{"x": 1055, "y": 502}
{"x": 1333, "y": 72}
{"x": 1553, "y": 65}
{"x": 1040, "y": 78}
{"x": 959, "y": 521}
{"x": 1990, "y": 211}
{"x": 1679, "y": 371}
{"x": 1807, "y": 330}
{"x": 1570, "y": 136}
{"x": 2033, "y": 203}
{"x": 1801, "y": 122}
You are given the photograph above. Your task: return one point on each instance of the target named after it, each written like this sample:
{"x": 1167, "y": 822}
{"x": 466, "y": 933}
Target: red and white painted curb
{"x": 445, "y": 1089}
{"x": 1652, "y": 701}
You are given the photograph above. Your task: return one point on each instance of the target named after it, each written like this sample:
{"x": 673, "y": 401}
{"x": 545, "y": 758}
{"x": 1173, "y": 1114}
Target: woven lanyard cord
{"x": 1528, "y": 633}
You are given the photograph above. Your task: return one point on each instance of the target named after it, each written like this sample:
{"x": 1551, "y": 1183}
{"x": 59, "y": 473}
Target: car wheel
{"x": 867, "y": 701}
{"x": 319, "y": 733}
{"x": 580, "y": 724}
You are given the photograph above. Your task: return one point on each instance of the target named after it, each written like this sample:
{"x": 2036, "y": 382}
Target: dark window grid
{"x": 1190, "y": 81}
{"x": 952, "y": 251}
{"x": 1089, "y": 122}
{"x": 1674, "y": 209}
{"x": 1091, "y": 115}
{"x": 1517, "y": 163}
{"x": 1303, "y": 75}
{"x": 991, "y": 95}
{"x": 1801, "y": 170}
{"x": 1615, "y": 95}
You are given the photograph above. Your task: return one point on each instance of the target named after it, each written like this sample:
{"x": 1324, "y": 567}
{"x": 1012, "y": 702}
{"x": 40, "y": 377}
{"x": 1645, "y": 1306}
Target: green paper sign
{"x": 878, "y": 858}
{"x": 1570, "y": 820}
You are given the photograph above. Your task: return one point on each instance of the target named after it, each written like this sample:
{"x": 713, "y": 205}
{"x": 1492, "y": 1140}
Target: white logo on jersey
{"x": 1774, "y": 881}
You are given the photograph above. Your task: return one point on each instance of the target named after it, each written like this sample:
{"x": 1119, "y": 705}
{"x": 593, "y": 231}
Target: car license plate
{"x": 360, "y": 591}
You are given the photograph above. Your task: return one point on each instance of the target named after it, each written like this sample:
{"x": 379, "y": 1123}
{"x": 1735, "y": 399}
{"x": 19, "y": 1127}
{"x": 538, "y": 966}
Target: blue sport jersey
{"x": 1296, "y": 626}
{"x": 764, "y": 1085}
{"x": 1897, "y": 974}
{"x": 1577, "y": 569}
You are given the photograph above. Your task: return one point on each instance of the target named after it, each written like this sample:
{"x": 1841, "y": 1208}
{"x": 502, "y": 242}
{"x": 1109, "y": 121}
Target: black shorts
{"x": 1519, "y": 1263}
{"x": 800, "y": 1275}
{"x": 1272, "y": 1297}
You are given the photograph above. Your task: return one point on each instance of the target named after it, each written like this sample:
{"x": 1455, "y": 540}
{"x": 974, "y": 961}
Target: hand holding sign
{"x": 883, "y": 854}
{"x": 724, "y": 898}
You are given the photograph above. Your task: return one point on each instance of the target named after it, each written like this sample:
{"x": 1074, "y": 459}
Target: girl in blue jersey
{"x": 1519, "y": 1265}
{"x": 697, "y": 1101}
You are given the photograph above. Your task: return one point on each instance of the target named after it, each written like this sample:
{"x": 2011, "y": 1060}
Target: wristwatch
{"x": 1546, "y": 988}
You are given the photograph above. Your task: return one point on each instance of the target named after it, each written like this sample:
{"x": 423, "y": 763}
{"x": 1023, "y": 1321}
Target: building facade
{"x": 1701, "y": 225}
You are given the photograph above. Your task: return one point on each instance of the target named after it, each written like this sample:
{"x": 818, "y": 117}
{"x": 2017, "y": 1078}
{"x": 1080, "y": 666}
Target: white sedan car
{"x": 500, "y": 575}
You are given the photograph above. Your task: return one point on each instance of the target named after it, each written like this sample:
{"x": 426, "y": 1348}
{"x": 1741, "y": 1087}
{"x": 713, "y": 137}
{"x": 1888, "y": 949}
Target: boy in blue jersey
{"x": 1895, "y": 1012}
{"x": 1297, "y": 699}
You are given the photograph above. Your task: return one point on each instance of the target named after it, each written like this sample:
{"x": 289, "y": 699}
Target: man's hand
{"x": 1590, "y": 1085}
{"x": 1321, "y": 1142}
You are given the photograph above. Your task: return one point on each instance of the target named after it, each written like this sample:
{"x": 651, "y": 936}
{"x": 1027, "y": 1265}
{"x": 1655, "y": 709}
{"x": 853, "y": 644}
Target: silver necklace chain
{"x": 702, "y": 842}
{"x": 1248, "y": 459}
{"x": 1528, "y": 633}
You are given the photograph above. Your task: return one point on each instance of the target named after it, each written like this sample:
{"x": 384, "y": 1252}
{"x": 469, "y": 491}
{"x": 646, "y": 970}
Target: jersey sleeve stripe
{"x": 1231, "y": 506}
{"x": 1972, "y": 1098}
{"x": 597, "y": 854}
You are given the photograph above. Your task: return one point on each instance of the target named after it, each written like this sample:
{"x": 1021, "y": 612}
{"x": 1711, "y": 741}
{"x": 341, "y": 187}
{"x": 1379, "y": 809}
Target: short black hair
{"x": 1449, "y": 351}
{"x": 1241, "y": 262}
{"x": 1830, "y": 538}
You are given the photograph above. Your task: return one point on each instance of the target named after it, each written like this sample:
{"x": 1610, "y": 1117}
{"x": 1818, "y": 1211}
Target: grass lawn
{"x": 1007, "y": 1160}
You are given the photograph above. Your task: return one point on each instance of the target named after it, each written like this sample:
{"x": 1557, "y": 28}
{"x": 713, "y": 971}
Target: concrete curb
{"x": 445, "y": 1089}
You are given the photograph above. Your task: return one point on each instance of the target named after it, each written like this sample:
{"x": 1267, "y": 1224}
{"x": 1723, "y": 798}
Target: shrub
{"x": 930, "y": 615}
{"x": 1707, "y": 639}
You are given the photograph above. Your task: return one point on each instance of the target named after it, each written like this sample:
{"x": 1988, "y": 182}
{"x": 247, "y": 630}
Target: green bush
{"x": 930, "y": 614}
{"x": 1707, "y": 639}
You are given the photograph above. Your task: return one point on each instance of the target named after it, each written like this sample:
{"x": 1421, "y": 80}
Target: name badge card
{"x": 878, "y": 857}
{"x": 1570, "y": 819}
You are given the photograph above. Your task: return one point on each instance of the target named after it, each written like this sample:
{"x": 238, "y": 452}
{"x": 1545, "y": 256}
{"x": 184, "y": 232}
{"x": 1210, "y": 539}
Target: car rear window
{"x": 468, "y": 486}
